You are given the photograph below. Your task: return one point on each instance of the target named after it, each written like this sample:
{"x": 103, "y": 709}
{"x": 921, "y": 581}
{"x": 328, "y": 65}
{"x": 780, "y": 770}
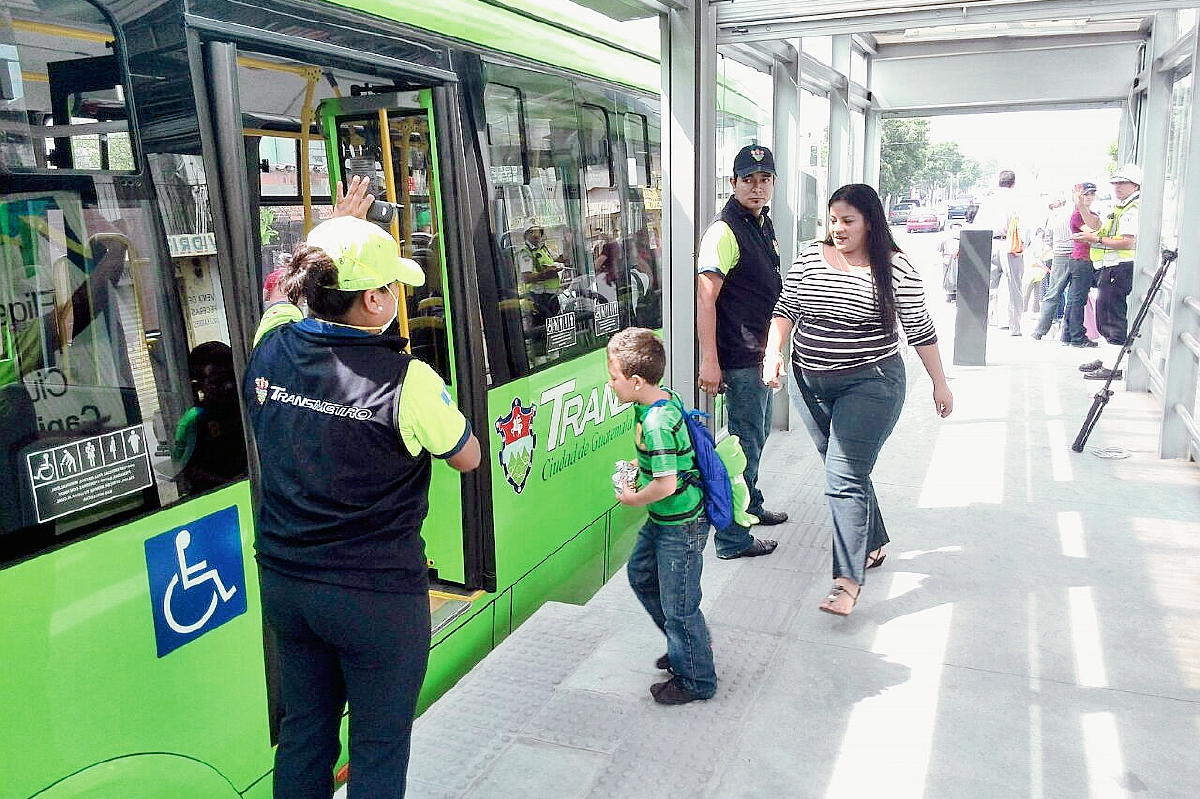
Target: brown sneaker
{"x": 672, "y": 693}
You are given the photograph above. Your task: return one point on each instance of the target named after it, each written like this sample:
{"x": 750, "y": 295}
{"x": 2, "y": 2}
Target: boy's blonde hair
{"x": 637, "y": 351}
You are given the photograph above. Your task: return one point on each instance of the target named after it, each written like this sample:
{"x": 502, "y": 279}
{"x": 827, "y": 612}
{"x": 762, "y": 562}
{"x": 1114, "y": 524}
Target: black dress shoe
{"x": 1091, "y": 366}
{"x": 770, "y": 517}
{"x": 1086, "y": 343}
{"x": 1104, "y": 374}
{"x": 663, "y": 663}
{"x": 672, "y": 693}
{"x": 760, "y": 546}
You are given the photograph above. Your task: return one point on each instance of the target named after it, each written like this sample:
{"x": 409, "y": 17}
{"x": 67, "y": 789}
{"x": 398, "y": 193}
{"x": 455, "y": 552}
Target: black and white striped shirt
{"x": 835, "y": 316}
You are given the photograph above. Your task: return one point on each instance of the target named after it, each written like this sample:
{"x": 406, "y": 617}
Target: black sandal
{"x": 876, "y": 558}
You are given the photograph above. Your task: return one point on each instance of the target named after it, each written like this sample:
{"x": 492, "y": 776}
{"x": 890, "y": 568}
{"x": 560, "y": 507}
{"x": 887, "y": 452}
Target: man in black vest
{"x": 737, "y": 284}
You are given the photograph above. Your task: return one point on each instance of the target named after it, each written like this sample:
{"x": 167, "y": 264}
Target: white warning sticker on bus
{"x": 81, "y": 474}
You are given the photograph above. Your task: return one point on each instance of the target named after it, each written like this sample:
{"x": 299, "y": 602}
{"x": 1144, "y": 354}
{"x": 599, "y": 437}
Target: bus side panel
{"x": 555, "y": 436}
{"x": 623, "y": 526}
{"x": 454, "y": 655}
{"x": 90, "y": 686}
{"x": 571, "y": 574}
{"x": 144, "y": 777}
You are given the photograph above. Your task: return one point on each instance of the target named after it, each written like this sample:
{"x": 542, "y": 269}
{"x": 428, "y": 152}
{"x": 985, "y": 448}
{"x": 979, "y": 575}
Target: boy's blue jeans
{"x": 664, "y": 571}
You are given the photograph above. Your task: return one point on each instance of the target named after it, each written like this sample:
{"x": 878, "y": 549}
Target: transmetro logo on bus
{"x": 518, "y": 444}
{"x": 197, "y": 579}
{"x": 571, "y": 414}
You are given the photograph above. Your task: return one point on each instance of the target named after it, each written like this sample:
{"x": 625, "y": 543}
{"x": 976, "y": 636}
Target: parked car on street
{"x": 899, "y": 213}
{"x": 962, "y": 208}
{"x": 923, "y": 220}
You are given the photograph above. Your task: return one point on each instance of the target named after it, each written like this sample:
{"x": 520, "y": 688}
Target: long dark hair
{"x": 880, "y": 246}
{"x": 312, "y": 275}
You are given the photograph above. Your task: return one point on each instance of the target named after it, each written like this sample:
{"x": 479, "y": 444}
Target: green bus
{"x": 157, "y": 161}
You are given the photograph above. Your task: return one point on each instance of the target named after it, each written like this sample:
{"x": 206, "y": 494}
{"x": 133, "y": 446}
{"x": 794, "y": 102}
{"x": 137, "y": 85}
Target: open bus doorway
{"x": 303, "y": 135}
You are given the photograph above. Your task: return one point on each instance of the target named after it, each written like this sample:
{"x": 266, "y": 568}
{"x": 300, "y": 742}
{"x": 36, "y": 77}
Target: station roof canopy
{"x": 935, "y": 57}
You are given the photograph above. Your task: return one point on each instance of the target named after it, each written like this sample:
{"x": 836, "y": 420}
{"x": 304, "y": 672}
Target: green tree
{"x": 902, "y": 153}
{"x": 946, "y": 167}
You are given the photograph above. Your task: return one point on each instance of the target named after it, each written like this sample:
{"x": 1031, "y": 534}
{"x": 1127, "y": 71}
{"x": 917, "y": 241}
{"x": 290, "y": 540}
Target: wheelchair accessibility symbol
{"x": 197, "y": 578}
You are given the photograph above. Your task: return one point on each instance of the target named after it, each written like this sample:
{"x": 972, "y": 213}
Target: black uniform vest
{"x": 342, "y": 499}
{"x": 750, "y": 289}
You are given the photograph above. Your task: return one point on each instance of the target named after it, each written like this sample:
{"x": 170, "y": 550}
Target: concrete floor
{"x": 1034, "y": 632}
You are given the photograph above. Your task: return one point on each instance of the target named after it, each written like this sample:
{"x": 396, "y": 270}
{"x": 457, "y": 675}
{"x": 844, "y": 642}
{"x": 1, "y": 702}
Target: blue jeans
{"x": 664, "y": 570}
{"x": 1060, "y": 276}
{"x": 1082, "y": 276}
{"x": 849, "y": 416}
{"x": 748, "y": 407}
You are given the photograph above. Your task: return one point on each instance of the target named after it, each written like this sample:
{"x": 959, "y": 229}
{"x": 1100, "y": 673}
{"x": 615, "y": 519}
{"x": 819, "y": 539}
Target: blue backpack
{"x": 713, "y": 478}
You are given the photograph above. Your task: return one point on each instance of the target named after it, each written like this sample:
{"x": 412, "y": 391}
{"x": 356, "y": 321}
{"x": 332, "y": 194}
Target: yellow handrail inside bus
{"x": 389, "y": 190}
{"x": 250, "y": 62}
{"x": 306, "y": 118}
{"x": 281, "y": 134}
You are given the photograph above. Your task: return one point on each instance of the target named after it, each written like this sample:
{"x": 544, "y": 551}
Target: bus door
{"x": 391, "y": 140}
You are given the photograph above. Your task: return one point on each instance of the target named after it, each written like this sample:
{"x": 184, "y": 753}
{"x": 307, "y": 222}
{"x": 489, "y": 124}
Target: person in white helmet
{"x": 1113, "y": 248}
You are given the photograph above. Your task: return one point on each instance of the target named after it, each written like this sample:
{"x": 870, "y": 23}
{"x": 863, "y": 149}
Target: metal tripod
{"x": 1105, "y": 394}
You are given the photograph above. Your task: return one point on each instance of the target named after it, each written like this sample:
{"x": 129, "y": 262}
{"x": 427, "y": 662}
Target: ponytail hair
{"x": 312, "y": 276}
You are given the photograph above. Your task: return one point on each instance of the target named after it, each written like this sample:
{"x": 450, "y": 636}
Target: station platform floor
{"x": 1034, "y": 631}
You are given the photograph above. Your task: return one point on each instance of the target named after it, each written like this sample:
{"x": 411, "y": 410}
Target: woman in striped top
{"x": 844, "y": 302}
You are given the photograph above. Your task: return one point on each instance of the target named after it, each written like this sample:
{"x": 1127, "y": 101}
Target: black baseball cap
{"x": 1087, "y": 188}
{"x": 753, "y": 158}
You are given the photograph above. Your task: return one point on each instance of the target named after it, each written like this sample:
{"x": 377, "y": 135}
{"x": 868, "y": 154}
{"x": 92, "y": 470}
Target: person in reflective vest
{"x": 346, "y": 424}
{"x": 1113, "y": 249}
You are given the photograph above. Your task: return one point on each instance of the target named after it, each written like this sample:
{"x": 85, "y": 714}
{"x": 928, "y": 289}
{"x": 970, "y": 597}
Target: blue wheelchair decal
{"x": 197, "y": 579}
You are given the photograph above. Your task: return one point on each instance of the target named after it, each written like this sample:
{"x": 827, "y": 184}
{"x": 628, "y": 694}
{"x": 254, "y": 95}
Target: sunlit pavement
{"x": 1034, "y": 632}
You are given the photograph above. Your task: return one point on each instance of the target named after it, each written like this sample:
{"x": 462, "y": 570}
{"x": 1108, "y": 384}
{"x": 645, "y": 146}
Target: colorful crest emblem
{"x": 758, "y": 154}
{"x": 260, "y": 389}
{"x": 518, "y": 443}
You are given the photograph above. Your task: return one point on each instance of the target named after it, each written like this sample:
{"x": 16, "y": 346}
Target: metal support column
{"x": 786, "y": 124}
{"x": 784, "y": 207}
{"x": 873, "y": 136}
{"x": 839, "y": 116}
{"x": 1152, "y": 151}
{"x": 1180, "y": 375}
{"x": 689, "y": 165}
{"x": 872, "y": 146}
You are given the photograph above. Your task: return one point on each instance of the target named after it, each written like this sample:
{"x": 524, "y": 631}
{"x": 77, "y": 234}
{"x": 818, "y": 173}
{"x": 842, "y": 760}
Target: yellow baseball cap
{"x": 366, "y": 257}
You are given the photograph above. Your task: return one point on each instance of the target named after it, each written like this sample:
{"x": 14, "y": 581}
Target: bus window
{"x": 281, "y": 205}
{"x": 606, "y": 285}
{"x": 643, "y": 155}
{"x": 597, "y": 153}
{"x": 637, "y": 153}
{"x": 91, "y": 413}
{"x": 62, "y": 107}
{"x": 110, "y": 404}
{"x": 546, "y": 271}
{"x": 279, "y": 172}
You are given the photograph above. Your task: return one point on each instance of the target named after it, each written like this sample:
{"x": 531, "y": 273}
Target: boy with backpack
{"x": 664, "y": 567}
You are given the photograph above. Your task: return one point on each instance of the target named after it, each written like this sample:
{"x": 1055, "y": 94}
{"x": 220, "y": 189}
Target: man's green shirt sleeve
{"x": 719, "y": 251}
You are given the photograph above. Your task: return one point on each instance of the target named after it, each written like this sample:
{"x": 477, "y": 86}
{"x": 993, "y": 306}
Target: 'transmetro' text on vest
{"x": 342, "y": 498}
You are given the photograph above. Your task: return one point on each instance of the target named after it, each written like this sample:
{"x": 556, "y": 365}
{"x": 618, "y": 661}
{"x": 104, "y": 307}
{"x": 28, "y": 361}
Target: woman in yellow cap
{"x": 346, "y": 423}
